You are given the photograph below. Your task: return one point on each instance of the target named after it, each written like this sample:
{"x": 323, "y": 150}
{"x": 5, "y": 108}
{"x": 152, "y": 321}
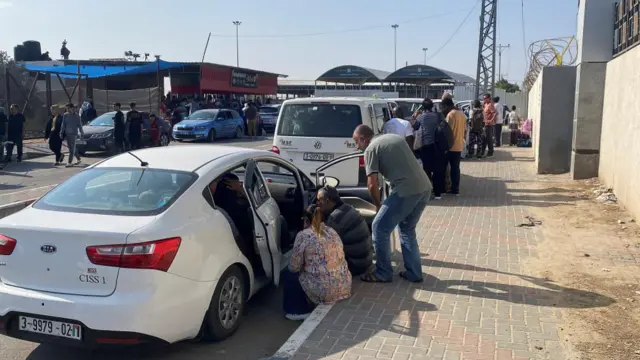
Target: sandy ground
{"x": 590, "y": 245}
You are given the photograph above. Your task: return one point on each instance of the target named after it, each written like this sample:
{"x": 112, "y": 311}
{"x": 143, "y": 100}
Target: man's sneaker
{"x": 79, "y": 161}
{"x": 438, "y": 197}
{"x": 297, "y": 317}
{"x": 69, "y": 165}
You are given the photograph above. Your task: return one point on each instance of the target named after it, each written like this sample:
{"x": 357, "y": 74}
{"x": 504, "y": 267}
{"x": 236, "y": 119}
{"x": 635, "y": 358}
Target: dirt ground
{"x": 592, "y": 245}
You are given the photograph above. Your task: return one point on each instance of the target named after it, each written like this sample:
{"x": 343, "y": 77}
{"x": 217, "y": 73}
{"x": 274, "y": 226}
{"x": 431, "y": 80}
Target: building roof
{"x": 352, "y": 74}
{"x": 418, "y": 74}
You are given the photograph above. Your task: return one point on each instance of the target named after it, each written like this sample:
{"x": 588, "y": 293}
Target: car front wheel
{"x": 211, "y": 136}
{"x": 227, "y": 305}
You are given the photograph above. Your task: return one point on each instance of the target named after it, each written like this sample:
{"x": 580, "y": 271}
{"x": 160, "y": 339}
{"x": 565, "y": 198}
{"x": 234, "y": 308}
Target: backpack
{"x": 443, "y": 135}
{"x": 477, "y": 121}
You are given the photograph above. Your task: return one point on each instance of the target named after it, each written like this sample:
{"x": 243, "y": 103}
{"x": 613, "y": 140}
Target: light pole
{"x": 237, "y": 24}
{"x": 425, "y": 55}
{"x": 395, "y": 45}
{"x": 500, "y": 48}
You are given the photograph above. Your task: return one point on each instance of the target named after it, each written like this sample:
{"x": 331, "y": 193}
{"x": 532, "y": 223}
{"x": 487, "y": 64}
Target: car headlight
{"x": 102, "y": 135}
{"x": 201, "y": 127}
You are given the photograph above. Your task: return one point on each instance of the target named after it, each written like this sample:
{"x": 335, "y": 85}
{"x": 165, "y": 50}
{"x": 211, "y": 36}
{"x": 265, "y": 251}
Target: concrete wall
{"x": 619, "y": 165}
{"x": 551, "y": 103}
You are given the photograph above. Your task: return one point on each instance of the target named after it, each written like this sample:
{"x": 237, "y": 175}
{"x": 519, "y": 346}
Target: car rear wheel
{"x": 227, "y": 305}
{"x": 239, "y": 132}
{"x": 212, "y": 135}
{"x": 164, "y": 140}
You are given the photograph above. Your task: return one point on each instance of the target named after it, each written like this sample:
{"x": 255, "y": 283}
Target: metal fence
{"x": 626, "y": 26}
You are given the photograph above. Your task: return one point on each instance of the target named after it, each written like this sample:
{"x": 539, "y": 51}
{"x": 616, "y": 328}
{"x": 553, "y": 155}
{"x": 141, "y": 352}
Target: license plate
{"x": 81, "y": 142}
{"x": 48, "y": 327}
{"x": 317, "y": 157}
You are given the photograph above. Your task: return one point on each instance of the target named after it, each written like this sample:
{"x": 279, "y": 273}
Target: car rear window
{"x": 268, "y": 109}
{"x": 118, "y": 191}
{"x": 319, "y": 120}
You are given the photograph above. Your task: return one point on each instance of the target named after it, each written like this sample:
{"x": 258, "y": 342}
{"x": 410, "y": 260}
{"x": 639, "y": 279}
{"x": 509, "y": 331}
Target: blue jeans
{"x": 405, "y": 213}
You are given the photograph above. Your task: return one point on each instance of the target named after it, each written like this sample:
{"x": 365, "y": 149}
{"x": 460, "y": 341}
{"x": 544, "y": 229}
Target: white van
{"x": 313, "y": 131}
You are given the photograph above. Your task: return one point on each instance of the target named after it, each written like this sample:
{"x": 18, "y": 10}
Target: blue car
{"x": 209, "y": 125}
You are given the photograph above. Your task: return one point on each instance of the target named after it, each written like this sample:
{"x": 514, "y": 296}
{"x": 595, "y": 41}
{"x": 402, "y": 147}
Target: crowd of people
{"x": 336, "y": 243}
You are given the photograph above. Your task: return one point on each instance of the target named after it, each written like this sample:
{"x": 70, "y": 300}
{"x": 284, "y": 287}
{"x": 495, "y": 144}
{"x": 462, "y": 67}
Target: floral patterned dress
{"x": 324, "y": 274}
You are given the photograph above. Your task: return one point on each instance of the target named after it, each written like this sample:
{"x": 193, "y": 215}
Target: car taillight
{"x": 153, "y": 255}
{"x": 361, "y": 161}
{"x": 7, "y": 245}
{"x": 275, "y": 149}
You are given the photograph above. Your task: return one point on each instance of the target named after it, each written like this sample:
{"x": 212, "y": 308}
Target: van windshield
{"x": 319, "y": 120}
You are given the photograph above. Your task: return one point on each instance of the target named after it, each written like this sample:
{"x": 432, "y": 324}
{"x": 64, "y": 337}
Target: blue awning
{"x": 99, "y": 71}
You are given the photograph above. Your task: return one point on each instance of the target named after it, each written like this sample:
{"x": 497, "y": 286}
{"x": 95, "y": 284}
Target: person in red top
{"x": 490, "y": 116}
{"x": 154, "y": 129}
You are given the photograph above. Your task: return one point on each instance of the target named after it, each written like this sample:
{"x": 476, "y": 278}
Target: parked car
{"x": 209, "y": 125}
{"x": 269, "y": 116}
{"x": 149, "y": 255}
{"x": 98, "y": 133}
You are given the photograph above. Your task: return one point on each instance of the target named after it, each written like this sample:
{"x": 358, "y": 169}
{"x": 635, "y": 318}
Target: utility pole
{"x": 395, "y": 44}
{"x": 500, "y": 48}
{"x": 237, "y": 24}
{"x": 486, "y": 75}
{"x": 425, "y": 55}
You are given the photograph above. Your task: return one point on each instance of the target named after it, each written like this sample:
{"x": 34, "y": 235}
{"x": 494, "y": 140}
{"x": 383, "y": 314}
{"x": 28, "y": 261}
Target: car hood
{"x": 96, "y": 129}
{"x": 194, "y": 122}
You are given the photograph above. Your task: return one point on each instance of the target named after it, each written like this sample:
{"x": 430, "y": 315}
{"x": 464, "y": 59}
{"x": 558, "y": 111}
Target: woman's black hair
{"x": 427, "y": 104}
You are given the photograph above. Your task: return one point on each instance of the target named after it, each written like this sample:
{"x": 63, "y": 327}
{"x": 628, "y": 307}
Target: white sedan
{"x": 144, "y": 247}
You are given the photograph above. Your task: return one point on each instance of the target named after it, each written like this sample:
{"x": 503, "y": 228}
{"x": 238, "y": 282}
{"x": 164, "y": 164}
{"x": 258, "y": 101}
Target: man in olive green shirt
{"x": 389, "y": 155}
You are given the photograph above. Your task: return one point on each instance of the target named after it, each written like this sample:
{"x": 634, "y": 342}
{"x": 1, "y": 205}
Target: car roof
{"x": 334, "y": 100}
{"x": 414, "y": 100}
{"x": 180, "y": 157}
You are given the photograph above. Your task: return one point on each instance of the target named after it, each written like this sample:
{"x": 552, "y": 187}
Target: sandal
{"x": 403, "y": 274}
{"x": 372, "y": 278}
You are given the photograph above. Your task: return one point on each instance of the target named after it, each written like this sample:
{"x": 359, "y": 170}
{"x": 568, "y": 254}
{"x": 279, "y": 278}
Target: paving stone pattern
{"x": 474, "y": 303}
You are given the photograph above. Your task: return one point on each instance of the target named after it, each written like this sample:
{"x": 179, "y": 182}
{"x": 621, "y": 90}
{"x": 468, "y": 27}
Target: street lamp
{"x": 425, "y": 55}
{"x": 237, "y": 24}
{"x": 395, "y": 45}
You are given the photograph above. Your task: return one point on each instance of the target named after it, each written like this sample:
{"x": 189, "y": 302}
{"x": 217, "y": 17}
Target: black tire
{"x": 164, "y": 138}
{"x": 239, "y": 132}
{"x": 214, "y": 327}
{"x": 211, "y": 137}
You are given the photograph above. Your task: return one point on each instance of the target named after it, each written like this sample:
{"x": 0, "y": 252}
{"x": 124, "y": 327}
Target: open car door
{"x": 356, "y": 196}
{"x": 266, "y": 215}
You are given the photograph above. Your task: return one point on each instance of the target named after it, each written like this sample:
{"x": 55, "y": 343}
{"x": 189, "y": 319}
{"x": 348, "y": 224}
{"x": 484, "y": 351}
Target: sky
{"x": 301, "y": 39}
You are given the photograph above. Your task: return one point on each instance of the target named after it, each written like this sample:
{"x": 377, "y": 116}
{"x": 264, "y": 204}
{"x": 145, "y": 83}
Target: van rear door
{"x": 314, "y": 133}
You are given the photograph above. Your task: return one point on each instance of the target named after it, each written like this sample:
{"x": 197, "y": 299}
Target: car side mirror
{"x": 330, "y": 181}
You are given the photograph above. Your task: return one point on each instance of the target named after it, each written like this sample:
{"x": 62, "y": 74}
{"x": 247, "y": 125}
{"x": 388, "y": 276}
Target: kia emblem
{"x": 317, "y": 145}
{"x": 48, "y": 249}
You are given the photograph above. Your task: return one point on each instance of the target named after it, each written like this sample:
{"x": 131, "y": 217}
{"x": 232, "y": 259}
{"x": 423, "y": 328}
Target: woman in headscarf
{"x": 52, "y": 132}
{"x": 318, "y": 272}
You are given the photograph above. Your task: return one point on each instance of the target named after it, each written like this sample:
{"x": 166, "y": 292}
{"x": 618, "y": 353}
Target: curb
{"x": 8, "y": 209}
{"x": 292, "y": 345}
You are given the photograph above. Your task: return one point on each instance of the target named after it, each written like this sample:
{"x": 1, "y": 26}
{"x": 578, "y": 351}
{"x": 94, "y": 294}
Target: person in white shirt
{"x": 499, "y": 121}
{"x": 397, "y": 125}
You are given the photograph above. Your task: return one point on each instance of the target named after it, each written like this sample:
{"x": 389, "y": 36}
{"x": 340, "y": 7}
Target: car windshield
{"x": 103, "y": 120}
{"x": 203, "y": 115}
{"x": 319, "y": 120}
{"x": 268, "y": 109}
{"x": 118, "y": 191}
{"x": 409, "y": 107}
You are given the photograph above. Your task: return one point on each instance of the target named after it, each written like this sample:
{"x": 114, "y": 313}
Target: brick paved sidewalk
{"x": 474, "y": 304}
